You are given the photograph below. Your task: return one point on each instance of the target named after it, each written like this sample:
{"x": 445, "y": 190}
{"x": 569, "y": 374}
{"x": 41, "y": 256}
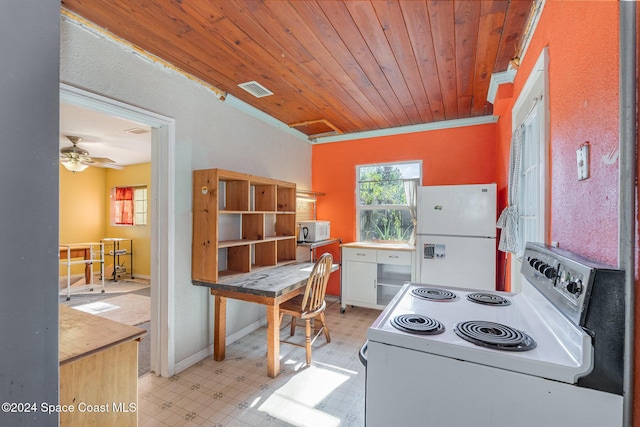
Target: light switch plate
{"x": 582, "y": 157}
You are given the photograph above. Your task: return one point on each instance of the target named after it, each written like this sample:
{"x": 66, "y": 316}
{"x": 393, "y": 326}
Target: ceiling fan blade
{"x": 102, "y": 162}
{"x": 77, "y": 155}
{"x": 103, "y": 165}
{"x": 98, "y": 160}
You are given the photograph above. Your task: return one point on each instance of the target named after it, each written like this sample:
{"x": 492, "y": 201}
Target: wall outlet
{"x": 582, "y": 157}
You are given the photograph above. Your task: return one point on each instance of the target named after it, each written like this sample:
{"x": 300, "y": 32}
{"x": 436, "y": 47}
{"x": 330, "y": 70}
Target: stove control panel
{"x": 564, "y": 280}
{"x": 561, "y": 280}
{"x": 569, "y": 283}
{"x": 590, "y": 294}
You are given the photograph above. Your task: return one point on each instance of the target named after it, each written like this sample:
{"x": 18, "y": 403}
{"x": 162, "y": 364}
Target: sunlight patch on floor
{"x": 295, "y": 401}
{"x": 96, "y": 307}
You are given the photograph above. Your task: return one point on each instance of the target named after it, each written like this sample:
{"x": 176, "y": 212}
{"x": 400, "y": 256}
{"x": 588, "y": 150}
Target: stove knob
{"x": 532, "y": 261}
{"x": 574, "y": 288}
{"x": 542, "y": 266}
{"x": 537, "y": 263}
{"x": 549, "y": 272}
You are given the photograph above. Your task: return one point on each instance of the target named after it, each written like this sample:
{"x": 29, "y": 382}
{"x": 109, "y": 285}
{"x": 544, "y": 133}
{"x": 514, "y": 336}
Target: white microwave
{"x": 316, "y": 231}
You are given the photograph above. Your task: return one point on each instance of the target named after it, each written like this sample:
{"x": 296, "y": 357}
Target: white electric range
{"x": 550, "y": 355}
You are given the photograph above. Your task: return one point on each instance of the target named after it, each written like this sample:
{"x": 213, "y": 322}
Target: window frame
{"x": 135, "y": 214}
{"x": 140, "y": 215}
{"x": 380, "y": 207}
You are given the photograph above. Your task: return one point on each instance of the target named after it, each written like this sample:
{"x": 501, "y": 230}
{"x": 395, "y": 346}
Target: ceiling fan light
{"x": 74, "y": 166}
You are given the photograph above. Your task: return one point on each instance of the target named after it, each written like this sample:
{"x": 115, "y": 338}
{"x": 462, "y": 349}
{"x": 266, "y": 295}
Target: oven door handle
{"x": 362, "y": 354}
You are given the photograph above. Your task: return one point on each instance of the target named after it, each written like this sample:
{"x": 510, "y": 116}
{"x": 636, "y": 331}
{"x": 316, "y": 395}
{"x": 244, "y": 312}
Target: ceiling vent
{"x": 256, "y": 89}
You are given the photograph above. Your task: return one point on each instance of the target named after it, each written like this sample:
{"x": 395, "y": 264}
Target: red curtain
{"x": 124, "y": 205}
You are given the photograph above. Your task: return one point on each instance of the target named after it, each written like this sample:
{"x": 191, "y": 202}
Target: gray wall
{"x": 29, "y": 75}
{"x": 209, "y": 133}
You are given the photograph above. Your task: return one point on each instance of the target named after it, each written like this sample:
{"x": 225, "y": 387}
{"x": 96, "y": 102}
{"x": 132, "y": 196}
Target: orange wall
{"x": 583, "y": 106}
{"x": 582, "y": 37}
{"x": 465, "y": 155}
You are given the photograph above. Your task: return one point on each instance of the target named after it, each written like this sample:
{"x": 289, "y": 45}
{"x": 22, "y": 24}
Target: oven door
{"x": 409, "y": 387}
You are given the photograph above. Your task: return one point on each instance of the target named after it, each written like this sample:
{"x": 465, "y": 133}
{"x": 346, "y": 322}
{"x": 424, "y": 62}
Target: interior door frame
{"x": 162, "y": 216}
{"x": 536, "y": 89}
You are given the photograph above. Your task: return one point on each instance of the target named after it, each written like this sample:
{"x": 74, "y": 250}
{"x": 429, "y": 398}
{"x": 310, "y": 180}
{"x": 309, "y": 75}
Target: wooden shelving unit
{"x": 240, "y": 222}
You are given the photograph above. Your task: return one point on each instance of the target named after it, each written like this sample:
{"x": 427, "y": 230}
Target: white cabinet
{"x": 362, "y": 278}
{"x": 373, "y": 274}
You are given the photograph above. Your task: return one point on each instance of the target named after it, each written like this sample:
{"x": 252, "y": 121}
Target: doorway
{"x": 161, "y": 216}
{"x": 530, "y": 113}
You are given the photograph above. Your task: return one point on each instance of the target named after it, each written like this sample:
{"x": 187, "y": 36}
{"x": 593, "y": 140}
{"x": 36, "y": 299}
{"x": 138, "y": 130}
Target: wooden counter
{"x": 98, "y": 369}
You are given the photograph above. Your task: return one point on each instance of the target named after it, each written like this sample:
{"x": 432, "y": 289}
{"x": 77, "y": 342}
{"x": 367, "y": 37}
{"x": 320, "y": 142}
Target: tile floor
{"x": 238, "y": 392}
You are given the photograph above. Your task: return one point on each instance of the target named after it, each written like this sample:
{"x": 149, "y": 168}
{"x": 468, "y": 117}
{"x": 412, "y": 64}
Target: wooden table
{"x": 78, "y": 252}
{"x": 98, "y": 369}
{"x": 270, "y": 286}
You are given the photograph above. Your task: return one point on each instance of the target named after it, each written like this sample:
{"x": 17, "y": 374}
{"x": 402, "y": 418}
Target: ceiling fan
{"x": 77, "y": 159}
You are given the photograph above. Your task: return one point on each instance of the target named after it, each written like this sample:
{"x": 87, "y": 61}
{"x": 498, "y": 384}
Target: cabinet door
{"x": 360, "y": 282}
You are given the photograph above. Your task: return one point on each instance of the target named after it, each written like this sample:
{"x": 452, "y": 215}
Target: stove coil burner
{"x": 434, "y": 294}
{"x": 494, "y": 335}
{"x": 417, "y": 324}
{"x": 488, "y": 299}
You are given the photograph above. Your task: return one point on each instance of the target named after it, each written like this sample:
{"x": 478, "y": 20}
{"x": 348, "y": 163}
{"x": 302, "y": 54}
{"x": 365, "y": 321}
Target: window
{"x": 382, "y": 209}
{"x": 129, "y": 205}
{"x": 140, "y": 206}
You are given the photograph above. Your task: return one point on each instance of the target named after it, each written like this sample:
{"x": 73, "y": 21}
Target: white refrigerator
{"x": 456, "y": 235}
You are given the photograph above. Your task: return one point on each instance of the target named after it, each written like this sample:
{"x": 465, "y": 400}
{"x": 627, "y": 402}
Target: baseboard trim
{"x": 206, "y": 352}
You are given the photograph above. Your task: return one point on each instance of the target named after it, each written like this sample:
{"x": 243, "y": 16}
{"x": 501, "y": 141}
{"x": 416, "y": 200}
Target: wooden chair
{"x": 310, "y": 305}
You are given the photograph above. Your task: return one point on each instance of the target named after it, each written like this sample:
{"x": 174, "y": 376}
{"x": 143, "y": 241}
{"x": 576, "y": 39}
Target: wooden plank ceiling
{"x": 333, "y": 66}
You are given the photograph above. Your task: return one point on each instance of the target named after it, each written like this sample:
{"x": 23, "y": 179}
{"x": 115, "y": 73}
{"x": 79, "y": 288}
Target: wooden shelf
{"x": 262, "y": 234}
{"x": 228, "y": 212}
{"x": 231, "y": 243}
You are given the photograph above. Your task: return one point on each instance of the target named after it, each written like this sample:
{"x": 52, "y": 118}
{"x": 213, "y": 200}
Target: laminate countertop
{"x": 82, "y": 334}
{"x": 381, "y": 246}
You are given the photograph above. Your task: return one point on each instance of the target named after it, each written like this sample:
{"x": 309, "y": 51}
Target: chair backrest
{"x": 317, "y": 284}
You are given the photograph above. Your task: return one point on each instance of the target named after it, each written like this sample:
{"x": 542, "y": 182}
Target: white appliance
{"x": 314, "y": 231}
{"x": 456, "y": 235}
{"x": 551, "y": 355}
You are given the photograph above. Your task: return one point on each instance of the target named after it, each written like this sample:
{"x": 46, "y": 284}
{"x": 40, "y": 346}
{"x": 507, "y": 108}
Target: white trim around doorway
{"x": 162, "y": 222}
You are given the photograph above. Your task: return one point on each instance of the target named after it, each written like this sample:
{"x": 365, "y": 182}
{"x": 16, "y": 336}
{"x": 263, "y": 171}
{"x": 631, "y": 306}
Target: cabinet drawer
{"x": 394, "y": 257}
{"x": 357, "y": 254}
